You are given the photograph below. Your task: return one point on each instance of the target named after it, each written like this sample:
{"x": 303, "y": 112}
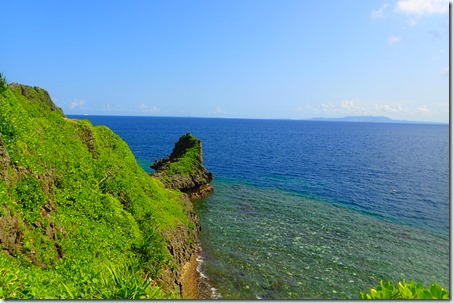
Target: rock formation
{"x": 36, "y": 94}
{"x": 184, "y": 169}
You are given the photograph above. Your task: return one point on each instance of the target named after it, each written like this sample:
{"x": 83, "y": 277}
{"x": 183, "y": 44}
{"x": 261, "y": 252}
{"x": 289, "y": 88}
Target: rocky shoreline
{"x": 184, "y": 170}
{"x": 194, "y": 284}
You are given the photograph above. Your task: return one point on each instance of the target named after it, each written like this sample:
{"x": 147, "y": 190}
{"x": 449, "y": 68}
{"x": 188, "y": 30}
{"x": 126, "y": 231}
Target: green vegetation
{"x": 406, "y": 290}
{"x": 3, "y": 83}
{"x": 190, "y": 161}
{"x": 79, "y": 218}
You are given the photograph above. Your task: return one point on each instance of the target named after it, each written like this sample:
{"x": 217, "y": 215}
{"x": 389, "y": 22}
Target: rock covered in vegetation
{"x": 35, "y": 94}
{"x": 183, "y": 169}
{"x": 79, "y": 218}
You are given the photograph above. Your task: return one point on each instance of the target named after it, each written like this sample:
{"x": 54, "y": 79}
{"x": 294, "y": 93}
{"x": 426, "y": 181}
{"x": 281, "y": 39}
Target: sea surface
{"x": 310, "y": 209}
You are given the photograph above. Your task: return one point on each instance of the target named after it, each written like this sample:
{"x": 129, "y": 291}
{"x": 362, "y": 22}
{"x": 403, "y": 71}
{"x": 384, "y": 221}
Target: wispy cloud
{"x": 423, "y": 109}
{"x": 351, "y": 107}
{"x": 434, "y": 34}
{"x": 77, "y": 104}
{"x": 422, "y": 7}
{"x": 393, "y": 40}
{"x": 345, "y": 107}
{"x": 380, "y": 12}
{"x": 144, "y": 108}
{"x": 218, "y": 111}
{"x": 386, "y": 108}
{"x": 109, "y": 108}
{"x": 446, "y": 71}
{"x": 413, "y": 9}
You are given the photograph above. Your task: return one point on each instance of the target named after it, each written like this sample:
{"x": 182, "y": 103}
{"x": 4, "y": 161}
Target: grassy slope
{"x": 87, "y": 218}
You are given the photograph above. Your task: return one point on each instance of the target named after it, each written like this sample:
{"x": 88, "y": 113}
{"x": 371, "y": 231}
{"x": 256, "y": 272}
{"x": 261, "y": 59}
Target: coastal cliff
{"x": 183, "y": 169}
{"x": 79, "y": 218}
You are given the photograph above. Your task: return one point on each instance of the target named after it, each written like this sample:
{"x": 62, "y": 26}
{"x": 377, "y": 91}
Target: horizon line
{"x": 313, "y": 119}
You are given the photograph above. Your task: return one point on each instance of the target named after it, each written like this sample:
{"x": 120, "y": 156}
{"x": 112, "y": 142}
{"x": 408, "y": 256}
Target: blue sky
{"x": 233, "y": 58}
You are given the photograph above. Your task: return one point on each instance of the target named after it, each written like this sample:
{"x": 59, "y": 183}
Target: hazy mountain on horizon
{"x": 375, "y": 119}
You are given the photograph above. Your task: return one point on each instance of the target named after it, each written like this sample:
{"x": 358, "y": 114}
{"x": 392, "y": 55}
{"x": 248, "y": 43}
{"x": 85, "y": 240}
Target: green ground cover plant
{"x": 79, "y": 218}
{"x": 3, "y": 83}
{"x": 406, "y": 290}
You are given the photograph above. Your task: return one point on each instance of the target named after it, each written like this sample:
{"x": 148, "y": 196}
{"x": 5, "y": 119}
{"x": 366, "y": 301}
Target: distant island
{"x": 370, "y": 119}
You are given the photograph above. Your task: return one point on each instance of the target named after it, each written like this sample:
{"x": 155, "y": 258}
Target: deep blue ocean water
{"x": 307, "y": 209}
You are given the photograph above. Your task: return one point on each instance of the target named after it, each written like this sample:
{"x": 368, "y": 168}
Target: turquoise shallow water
{"x": 306, "y": 209}
{"x": 266, "y": 243}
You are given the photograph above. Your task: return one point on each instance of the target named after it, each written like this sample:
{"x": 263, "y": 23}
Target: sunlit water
{"x": 273, "y": 244}
{"x": 312, "y": 209}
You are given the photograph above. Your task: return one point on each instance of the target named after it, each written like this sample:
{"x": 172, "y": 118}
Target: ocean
{"x": 311, "y": 209}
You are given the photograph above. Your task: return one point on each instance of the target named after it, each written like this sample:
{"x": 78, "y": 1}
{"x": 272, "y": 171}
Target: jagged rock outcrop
{"x": 5, "y": 162}
{"x": 183, "y": 169}
{"x": 36, "y": 94}
{"x": 182, "y": 244}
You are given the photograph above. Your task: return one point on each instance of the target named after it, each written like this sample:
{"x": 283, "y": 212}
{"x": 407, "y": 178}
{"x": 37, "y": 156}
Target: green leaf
{"x": 435, "y": 290}
{"x": 68, "y": 291}
{"x": 406, "y": 290}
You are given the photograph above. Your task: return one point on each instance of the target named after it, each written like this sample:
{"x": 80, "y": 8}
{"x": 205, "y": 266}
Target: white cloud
{"x": 413, "y": 21}
{"x": 422, "y": 7}
{"x": 329, "y": 108}
{"x": 423, "y": 109}
{"x": 148, "y": 109}
{"x": 354, "y": 108}
{"x": 347, "y": 104}
{"x": 77, "y": 104}
{"x": 109, "y": 108}
{"x": 218, "y": 111}
{"x": 446, "y": 71}
{"x": 404, "y": 110}
{"x": 380, "y": 12}
{"x": 345, "y": 107}
{"x": 393, "y": 40}
{"x": 385, "y": 108}
{"x": 414, "y": 9}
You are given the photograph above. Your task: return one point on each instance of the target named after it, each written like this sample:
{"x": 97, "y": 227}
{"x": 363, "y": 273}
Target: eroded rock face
{"x": 5, "y": 162}
{"x": 36, "y": 94}
{"x": 182, "y": 244}
{"x": 184, "y": 169}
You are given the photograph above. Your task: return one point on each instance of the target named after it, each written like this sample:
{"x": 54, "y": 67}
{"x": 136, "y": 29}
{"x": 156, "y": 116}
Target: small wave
{"x": 204, "y": 280}
{"x": 215, "y": 293}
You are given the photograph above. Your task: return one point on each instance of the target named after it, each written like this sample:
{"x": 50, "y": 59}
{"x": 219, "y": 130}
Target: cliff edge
{"x": 79, "y": 218}
{"x": 183, "y": 169}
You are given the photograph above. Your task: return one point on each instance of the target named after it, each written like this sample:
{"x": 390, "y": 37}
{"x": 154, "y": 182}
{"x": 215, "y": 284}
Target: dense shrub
{"x": 3, "y": 83}
{"x": 86, "y": 220}
{"x": 406, "y": 290}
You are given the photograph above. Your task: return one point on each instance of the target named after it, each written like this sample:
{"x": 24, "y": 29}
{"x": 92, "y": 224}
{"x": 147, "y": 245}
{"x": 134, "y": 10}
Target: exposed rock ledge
{"x": 184, "y": 169}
